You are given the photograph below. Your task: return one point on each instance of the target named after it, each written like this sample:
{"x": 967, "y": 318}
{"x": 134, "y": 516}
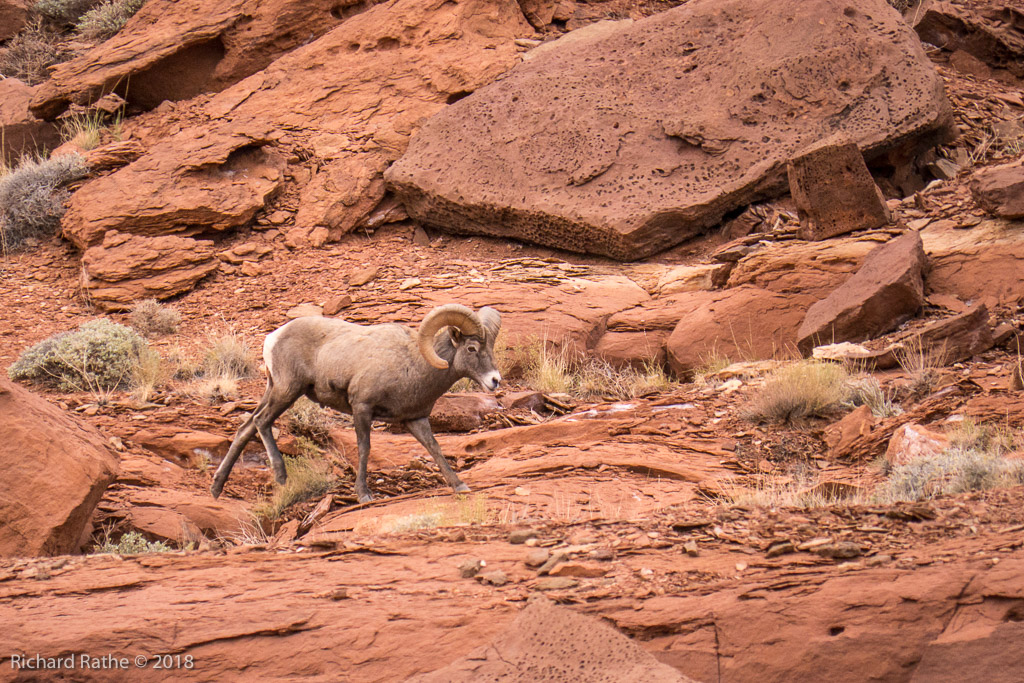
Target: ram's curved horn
{"x": 449, "y": 315}
{"x": 491, "y": 321}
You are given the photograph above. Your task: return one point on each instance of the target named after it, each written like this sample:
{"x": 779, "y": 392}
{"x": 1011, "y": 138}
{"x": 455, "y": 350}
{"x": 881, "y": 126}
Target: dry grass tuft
{"x": 923, "y": 364}
{"x": 148, "y": 374}
{"x": 307, "y": 478}
{"x": 800, "y": 390}
{"x": 865, "y": 390}
{"x": 558, "y": 372}
{"x": 154, "y": 319}
{"x": 310, "y": 421}
{"x": 229, "y": 356}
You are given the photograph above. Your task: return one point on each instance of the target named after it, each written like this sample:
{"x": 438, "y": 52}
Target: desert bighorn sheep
{"x": 376, "y": 372}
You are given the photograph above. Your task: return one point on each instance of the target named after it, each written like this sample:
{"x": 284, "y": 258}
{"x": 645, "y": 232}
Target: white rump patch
{"x": 268, "y": 346}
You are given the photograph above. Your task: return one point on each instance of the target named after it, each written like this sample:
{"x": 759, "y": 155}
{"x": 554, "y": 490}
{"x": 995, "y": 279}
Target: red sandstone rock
{"x": 987, "y": 30}
{"x": 740, "y": 323}
{"x": 13, "y": 16}
{"x": 798, "y": 267}
{"x": 678, "y": 131}
{"x": 215, "y": 183}
{"x": 381, "y": 72}
{"x": 183, "y": 447}
{"x": 842, "y": 435}
{"x": 128, "y": 268}
{"x": 912, "y": 441}
{"x": 980, "y": 264}
{"x": 886, "y": 291}
{"x": 173, "y": 50}
{"x": 53, "y": 471}
{"x": 957, "y": 338}
{"x": 1000, "y": 189}
{"x": 21, "y": 133}
{"x": 462, "y": 412}
{"x": 834, "y": 192}
{"x": 548, "y": 643}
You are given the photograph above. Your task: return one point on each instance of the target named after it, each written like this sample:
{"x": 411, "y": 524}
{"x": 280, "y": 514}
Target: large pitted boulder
{"x": 350, "y": 99}
{"x": 127, "y": 268}
{"x": 176, "y": 49}
{"x": 21, "y": 133}
{"x": 886, "y": 291}
{"x": 53, "y": 472}
{"x": 642, "y": 137}
{"x": 1000, "y": 189}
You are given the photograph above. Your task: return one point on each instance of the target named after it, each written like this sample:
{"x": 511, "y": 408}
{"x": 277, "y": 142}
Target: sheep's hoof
{"x": 215, "y": 491}
{"x": 365, "y": 498}
{"x": 461, "y": 488}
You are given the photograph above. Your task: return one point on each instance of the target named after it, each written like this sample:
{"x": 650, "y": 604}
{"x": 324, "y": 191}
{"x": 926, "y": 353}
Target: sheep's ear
{"x": 456, "y": 335}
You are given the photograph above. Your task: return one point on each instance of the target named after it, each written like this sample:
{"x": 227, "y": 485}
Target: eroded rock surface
{"x": 636, "y": 140}
{"x": 175, "y": 50}
{"x": 22, "y": 133}
{"x": 126, "y": 268}
{"x": 53, "y": 472}
{"x": 1000, "y": 189}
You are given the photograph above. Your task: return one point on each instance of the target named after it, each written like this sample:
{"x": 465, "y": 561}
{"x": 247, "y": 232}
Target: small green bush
{"x": 32, "y": 198}
{"x": 65, "y": 12}
{"x": 106, "y": 19}
{"x": 29, "y": 55}
{"x": 154, "y": 319}
{"x": 132, "y": 543}
{"x": 956, "y": 470}
{"x": 99, "y": 356}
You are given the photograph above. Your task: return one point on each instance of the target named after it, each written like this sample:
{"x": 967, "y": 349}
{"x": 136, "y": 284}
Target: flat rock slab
{"x": 886, "y": 291}
{"x": 22, "y": 133}
{"x": 643, "y": 136}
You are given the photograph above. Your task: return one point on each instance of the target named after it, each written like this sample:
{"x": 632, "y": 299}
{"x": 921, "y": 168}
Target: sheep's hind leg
{"x": 421, "y": 430}
{"x": 264, "y": 425}
{"x": 238, "y": 444}
{"x": 363, "y": 419}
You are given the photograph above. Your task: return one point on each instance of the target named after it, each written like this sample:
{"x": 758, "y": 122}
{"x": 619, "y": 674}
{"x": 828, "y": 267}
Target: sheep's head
{"x": 471, "y": 334}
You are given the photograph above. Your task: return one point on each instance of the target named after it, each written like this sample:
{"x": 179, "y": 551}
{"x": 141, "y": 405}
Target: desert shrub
{"x": 107, "y": 18}
{"x": 955, "y": 470}
{"x": 229, "y": 356}
{"x": 29, "y": 55}
{"x": 311, "y": 421}
{"x": 802, "y": 389}
{"x": 131, "y": 543}
{"x": 99, "y": 356}
{"x": 153, "y": 319}
{"x": 997, "y": 439}
{"x": 65, "y": 12}
{"x": 308, "y": 477}
{"x": 32, "y": 197}
{"x": 866, "y": 391}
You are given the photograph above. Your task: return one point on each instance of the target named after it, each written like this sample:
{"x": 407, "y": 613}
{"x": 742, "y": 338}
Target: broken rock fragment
{"x": 834, "y": 192}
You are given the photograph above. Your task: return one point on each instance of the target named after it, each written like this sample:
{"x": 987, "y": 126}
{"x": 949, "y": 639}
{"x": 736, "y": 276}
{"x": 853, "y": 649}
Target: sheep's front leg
{"x": 362, "y": 417}
{"x": 421, "y": 430}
